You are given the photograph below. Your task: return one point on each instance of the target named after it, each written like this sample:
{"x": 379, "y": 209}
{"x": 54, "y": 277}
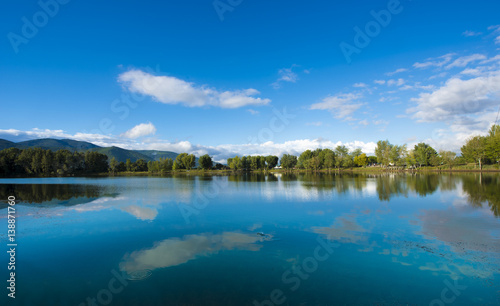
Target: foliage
{"x": 361, "y": 160}
{"x": 288, "y": 161}
{"x": 205, "y": 162}
{"x": 475, "y": 150}
{"x": 383, "y": 151}
{"x": 161, "y": 166}
{"x": 40, "y": 162}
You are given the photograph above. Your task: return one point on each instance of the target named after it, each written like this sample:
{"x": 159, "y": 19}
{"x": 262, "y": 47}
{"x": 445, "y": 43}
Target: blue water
{"x": 255, "y": 240}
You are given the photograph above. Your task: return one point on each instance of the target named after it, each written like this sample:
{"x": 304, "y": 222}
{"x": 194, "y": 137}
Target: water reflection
{"x": 176, "y": 251}
{"x": 483, "y": 189}
{"x": 42, "y": 193}
{"x": 479, "y": 189}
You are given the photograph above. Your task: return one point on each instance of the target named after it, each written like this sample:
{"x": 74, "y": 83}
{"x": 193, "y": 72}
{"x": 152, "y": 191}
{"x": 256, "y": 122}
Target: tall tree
{"x": 448, "y": 158}
{"x": 271, "y": 161}
{"x": 361, "y": 160}
{"x": 205, "y": 162}
{"x": 288, "y": 161}
{"x": 113, "y": 164}
{"x": 474, "y": 150}
{"x": 383, "y": 151}
{"x": 128, "y": 165}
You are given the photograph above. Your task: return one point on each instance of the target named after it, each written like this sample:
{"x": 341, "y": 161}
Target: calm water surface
{"x": 255, "y": 240}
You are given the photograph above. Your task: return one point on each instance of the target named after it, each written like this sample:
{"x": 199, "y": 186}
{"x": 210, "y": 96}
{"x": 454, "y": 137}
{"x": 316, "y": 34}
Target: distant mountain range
{"x": 120, "y": 154}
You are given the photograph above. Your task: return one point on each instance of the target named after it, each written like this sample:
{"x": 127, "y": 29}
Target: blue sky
{"x": 249, "y": 77}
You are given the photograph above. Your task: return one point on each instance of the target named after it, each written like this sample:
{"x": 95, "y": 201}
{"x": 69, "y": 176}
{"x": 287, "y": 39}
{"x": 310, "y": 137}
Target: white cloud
{"x": 171, "y": 90}
{"x": 457, "y": 98}
{"x": 381, "y": 122}
{"x": 471, "y": 33}
{"x": 286, "y": 75}
{"x": 397, "y": 82}
{"x": 495, "y": 30}
{"x": 465, "y": 60}
{"x": 360, "y": 85}
{"x": 496, "y": 58}
{"x": 341, "y": 106}
{"x": 363, "y": 122}
{"x": 140, "y": 130}
{"x": 380, "y": 82}
{"x": 435, "y": 62}
{"x": 439, "y": 75}
{"x": 396, "y": 71}
{"x": 473, "y": 72}
{"x": 317, "y": 123}
{"x": 253, "y": 112}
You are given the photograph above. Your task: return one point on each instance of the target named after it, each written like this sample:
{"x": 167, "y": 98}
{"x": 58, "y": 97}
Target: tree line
{"x": 39, "y": 162}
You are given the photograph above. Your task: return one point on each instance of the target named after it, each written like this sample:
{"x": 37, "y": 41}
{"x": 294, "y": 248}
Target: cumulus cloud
{"x": 457, "y": 98}
{"x": 171, "y": 90}
{"x": 140, "y": 130}
{"x": 341, "y": 106}
{"x": 380, "y": 82}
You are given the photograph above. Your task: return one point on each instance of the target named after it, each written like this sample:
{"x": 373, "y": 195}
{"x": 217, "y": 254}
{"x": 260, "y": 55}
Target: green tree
{"x": 304, "y": 158}
{"x": 179, "y": 161}
{"x": 328, "y": 158}
{"x": 271, "y": 161}
{"x": 383, "y": 151}
{"x": 474, "y": 150}
{"x": 140, "y": 165}
{"x": 448, "y": 158}
{"x": 188, "y": 161}
{"x": 205, "y": 162}
{"x": 128, "y": 165}
{"x": 372, "y": 159}
{"x": 424, "y": 154}
{"x": 245, "y": 163}
{"x": 288, "y": 161}
{"x": 113, "y": 164}
{"x": 235, "y": 163}
{"x": 493, "y": 144}
{"x": 361, "y": 160}
{"x": 342, "y": 157}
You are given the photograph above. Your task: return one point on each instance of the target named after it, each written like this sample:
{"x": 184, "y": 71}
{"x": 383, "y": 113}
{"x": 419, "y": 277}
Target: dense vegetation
{"x": 39, "y": 162}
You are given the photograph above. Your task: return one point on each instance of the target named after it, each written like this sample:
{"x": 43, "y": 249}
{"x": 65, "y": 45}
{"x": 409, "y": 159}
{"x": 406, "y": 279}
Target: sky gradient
{"x": 249, "y": 77}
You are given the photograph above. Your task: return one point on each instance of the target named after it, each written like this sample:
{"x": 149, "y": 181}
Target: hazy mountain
{"x": 81, "y": 146}
{"x": 55, "y": 144}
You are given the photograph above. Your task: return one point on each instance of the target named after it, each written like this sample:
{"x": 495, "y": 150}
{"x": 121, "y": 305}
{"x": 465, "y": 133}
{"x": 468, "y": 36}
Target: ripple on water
{"x": 139, "y": 275}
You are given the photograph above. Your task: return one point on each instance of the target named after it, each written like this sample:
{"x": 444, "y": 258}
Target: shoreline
{"x": 370, "y": 170}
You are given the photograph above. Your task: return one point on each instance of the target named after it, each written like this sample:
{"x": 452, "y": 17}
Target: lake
{"x": 255, "y": 239}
